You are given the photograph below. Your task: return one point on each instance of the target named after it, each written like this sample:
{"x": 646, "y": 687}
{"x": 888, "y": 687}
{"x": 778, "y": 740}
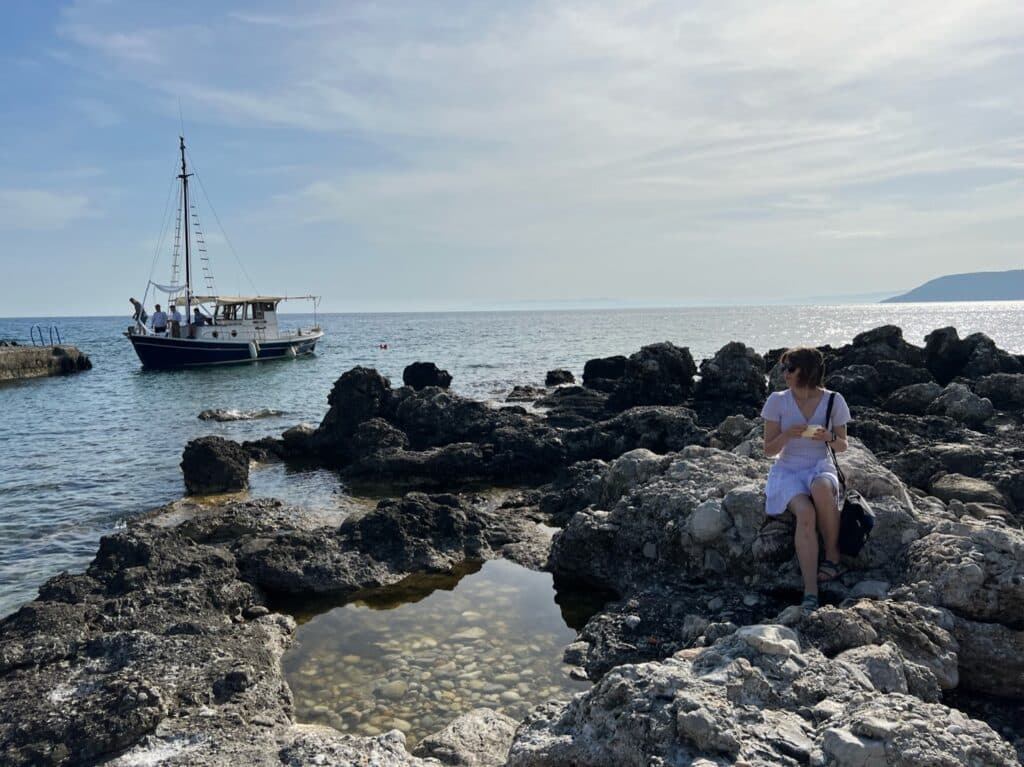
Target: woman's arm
{"x": 775, "y": 438}
{"x": 836, "y": 438}
{"x": 840, "y": 443}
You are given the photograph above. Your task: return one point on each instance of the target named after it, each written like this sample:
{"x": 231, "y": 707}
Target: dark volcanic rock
{"x": 164, "y": 653}
{"x": 858, "y": 383}
{"x": 658, "y": 374}
{"x": 735, "y": 376}
{"x": 603, "y": 373}
{"x": 358, "y": 395}
{"x": 873, "y": 346}
{"x": 214, "y": 465}
{"x": 894, "y": 375}
{"x": 658, "y": 429}
{"x": 1005, "y": 390}
{"x": 913, "y": 399}
{"x": 525, "y": 393}
{"x": 948, "y": 356}
{"x": 572, "y": 406}
{"x": 420, "y": 375}
{"x": 418, "y": 533}
{"x": 559, "y": 377}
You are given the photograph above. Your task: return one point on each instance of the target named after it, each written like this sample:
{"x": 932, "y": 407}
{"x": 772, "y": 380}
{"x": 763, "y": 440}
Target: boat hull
{"x": 162, "y": 353}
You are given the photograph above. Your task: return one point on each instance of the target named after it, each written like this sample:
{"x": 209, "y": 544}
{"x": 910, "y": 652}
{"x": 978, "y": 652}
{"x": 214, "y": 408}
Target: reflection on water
{"x": 415, "y": 655}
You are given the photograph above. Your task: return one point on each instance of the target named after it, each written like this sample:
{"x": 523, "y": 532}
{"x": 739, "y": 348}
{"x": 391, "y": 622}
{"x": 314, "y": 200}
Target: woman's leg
{"x": 805, "y": 540}
{"x": 823, "y": 493}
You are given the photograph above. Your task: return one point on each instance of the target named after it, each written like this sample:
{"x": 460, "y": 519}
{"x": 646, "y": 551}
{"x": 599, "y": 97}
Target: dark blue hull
{"x": 160, "y": 353}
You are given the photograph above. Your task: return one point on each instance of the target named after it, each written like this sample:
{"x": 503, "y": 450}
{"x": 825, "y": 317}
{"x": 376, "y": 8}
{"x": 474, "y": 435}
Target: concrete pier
{"x": 18, "y": 362}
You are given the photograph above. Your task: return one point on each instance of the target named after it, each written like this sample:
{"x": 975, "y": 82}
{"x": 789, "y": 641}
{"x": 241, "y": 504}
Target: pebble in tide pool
{"x": 494, "y": 641}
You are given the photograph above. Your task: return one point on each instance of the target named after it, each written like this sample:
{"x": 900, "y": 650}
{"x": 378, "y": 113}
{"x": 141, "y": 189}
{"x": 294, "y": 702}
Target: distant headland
{"x": 972, "y": 286}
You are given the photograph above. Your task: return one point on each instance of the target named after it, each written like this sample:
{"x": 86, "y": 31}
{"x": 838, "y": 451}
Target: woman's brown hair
{"x": 809, "y": 364}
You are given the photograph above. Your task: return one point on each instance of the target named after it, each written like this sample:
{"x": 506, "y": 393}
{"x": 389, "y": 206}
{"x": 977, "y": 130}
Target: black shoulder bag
{"x": 856, "y": 518}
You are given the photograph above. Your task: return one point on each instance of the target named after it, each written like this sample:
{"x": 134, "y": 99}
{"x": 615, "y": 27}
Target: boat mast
{"x": 186, "y": 215}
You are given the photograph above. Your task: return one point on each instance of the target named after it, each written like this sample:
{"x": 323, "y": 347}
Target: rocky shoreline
{"x": 167, "y": 649}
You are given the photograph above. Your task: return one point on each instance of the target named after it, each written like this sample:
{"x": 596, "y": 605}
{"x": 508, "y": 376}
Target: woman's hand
{"x": 822, "y": 435}
{"x": 793, "y": 432}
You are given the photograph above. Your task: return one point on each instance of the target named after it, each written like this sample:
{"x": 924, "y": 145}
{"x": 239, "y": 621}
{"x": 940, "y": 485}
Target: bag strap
{"x": 835, "y": 461}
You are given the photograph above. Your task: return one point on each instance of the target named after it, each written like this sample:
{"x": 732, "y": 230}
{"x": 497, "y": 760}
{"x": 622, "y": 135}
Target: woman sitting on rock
{"x": 803, "y": 479}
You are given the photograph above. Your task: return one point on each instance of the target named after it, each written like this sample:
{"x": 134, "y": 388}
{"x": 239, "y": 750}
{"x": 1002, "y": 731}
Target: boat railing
{"x": 53, "y": 331}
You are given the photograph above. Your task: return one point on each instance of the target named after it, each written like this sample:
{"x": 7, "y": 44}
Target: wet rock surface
{"x": 168, "y": 648}
{"x": 230, "y": 414}
{"x": 420, "y": 375}
{"x": 214, "y": 465}
{"x": 165, "y": 645}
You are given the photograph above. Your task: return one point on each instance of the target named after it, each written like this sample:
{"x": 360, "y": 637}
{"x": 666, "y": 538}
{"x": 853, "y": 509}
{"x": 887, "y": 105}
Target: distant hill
{"x": 972, "y": 286}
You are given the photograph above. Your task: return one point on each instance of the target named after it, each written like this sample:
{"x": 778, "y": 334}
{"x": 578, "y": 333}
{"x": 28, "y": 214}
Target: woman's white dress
{"x": 802, "y": 460}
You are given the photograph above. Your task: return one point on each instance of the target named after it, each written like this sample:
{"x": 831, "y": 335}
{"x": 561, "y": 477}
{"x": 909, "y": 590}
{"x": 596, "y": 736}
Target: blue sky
{"x": 406, "y": 155}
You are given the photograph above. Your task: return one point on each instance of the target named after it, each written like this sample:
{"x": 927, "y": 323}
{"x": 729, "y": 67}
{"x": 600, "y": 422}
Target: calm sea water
{"x": 84, "y": 453}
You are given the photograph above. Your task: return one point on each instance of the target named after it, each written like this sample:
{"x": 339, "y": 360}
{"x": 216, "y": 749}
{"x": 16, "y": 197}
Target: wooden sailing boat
{"x": 216, "y": 329}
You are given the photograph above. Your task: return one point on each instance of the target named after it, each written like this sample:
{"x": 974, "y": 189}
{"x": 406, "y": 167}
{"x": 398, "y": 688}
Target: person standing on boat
{"x": 175, "y": 318}
{"x": 159, "y": 321}
{"x": 140, "y": 311}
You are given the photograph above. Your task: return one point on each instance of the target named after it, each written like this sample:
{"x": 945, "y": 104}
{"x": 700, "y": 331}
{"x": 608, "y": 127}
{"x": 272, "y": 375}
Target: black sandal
{"x": 809, "y": 604}
{"x": 828, "y": 571}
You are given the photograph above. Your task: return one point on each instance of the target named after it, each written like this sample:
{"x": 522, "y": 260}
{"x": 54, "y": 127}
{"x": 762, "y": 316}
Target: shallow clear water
{"x": 416, "y": 655}
{"x": 83, "y": 453}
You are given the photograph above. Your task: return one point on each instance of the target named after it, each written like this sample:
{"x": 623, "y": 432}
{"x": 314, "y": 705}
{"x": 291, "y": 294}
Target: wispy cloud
{"x": 682, "y": 134}
{"x": 40, "y": 209}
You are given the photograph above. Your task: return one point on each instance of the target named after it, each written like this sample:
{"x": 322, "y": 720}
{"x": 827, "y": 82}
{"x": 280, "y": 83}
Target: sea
{"x": 83, "y": 454}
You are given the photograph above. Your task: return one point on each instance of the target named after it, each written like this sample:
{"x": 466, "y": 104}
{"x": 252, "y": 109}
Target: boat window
{"x": 257, "y": 310}
{"x": 268, "y": 306}
{"x": 229, "y": 311}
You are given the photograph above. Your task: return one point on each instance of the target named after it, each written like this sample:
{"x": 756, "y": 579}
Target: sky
{"x": 459, "y": 154}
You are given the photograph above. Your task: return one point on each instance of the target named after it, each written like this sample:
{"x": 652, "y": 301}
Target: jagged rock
{"x": 479, "y": 738}
{"x": 732, "y": 431}
{"x": 417, "y": 533}
{"x": 972, "y": 568}
{"x": 991, "y": 658}
{"x": 420, "y": 375}
{"x": 976, "y": 356}
{"x": 961, "y": 404}
{"x": 559, "y": 377}
{"x": 735, "y": 375}
{"x": 1005, "y": 390}
{"x": 950, "y": 486}
{"x": 888, "y": 433}
{"x": 604, "y": 373}
{"x": 658, "y": 374}
{"x": 755, "y": 697}
{"x": 944, "y": 354}
{"x": 358, "y": 395}
{"x": 985, "y": 358}
{"x": 521, "y": 393}
{"x": 573, "y": 489}
{"x": 893, "y": 375}
{"x": 311, "y": 744}
{"x": 913, "y": 399}
{"x": 874, "y": 346}
{"x": 376, "y": 434}
{"x": 923, "y": 634}
{"x": 659, "y": 429}
{"x": 574, "y": 406}
{"x": 299, "y": 436}
{"x": 858, "y": 383}
{"x": 214, "y": 465}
